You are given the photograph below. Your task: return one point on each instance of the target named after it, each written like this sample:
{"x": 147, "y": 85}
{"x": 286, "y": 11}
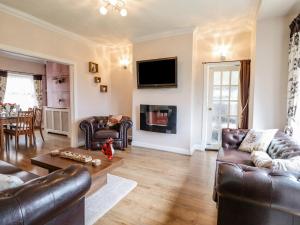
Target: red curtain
{"x": 245, "y": 91}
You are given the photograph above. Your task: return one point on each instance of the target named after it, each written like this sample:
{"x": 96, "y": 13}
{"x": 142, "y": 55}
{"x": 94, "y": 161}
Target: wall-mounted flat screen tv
{"x": 157, "y": 73}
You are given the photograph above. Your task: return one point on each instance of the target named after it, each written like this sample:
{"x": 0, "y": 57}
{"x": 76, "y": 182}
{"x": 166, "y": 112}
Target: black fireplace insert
{"x": 158, "y": 118}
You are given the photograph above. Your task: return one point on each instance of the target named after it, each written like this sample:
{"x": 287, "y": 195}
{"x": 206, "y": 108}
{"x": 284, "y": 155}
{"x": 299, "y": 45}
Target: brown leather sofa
{"x": 57, "y": 198}
{"x": 247, "y": 195}
{"x": 96, "y": 132}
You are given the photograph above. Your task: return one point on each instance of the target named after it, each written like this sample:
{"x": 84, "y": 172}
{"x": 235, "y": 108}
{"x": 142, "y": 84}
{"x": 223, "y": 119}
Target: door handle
{"x": 209, "y": 109}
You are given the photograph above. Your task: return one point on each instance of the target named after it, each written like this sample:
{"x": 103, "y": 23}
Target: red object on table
{"x": 108, "y": 149}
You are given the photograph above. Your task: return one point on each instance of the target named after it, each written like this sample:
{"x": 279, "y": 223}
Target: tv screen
{"x": 157, "y": 73}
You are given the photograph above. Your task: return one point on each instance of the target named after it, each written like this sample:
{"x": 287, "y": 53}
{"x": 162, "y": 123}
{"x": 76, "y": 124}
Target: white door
{"x": 223, "y": 102}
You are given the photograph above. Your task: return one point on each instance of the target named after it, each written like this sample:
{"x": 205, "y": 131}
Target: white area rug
{"x": 107, "y": 197}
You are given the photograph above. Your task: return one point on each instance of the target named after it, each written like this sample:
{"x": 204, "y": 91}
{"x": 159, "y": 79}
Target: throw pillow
{"x": 292, "y": 164}
{"x": 114, "y": 120}
{"x": 8, "y": 181}
{"x": 257, "y": 140}
{"x": 261, "y": 159}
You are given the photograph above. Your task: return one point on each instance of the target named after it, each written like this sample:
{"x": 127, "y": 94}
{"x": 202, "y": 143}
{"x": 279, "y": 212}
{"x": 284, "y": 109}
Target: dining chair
{"x": 38, "y": 121}
{"x": 23, "y": 126}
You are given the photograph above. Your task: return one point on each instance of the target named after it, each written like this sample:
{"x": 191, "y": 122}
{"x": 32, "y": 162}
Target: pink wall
{"x": 58, "y": 94}
{"x": 21, "y": 66}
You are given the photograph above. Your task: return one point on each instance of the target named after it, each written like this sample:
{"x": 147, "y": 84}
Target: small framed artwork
{"x": 103, "y": 88}
{"x": 93, "y": 67}
{"x": 97, "y": 80}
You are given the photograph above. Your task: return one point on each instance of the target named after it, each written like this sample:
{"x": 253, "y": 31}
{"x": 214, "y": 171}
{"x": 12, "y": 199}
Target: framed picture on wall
{"x": 97, "y": 80}
{"x": 103, "y": 88}
{"x": 93, "y": 67}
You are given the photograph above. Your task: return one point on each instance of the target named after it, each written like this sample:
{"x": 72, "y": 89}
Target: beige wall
{"x": 21, "y": 66}
{"x": 205, "y": 42}
{"x": 121, "y": 81}
{"x": 182, "y": 47}
{"x": 192, "y": 50}
{"x": 271, "y": 73}
{"x": 25, "y": 37}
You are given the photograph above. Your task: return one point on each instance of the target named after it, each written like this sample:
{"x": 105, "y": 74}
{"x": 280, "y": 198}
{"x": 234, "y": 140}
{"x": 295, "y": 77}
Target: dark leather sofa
{"x": 57, "y": 198}
{"x": 247, "y": 195}
{"x": 96, "y": 132}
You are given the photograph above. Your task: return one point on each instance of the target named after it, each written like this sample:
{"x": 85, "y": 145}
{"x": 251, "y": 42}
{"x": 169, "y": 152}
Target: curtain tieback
{"x": 244, "y": 108}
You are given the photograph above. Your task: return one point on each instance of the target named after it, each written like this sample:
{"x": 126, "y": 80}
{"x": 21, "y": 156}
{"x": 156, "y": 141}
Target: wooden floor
{"x": 172, "y": 189}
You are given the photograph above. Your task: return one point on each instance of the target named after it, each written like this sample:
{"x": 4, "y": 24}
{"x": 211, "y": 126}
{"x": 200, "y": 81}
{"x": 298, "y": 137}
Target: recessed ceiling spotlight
{"x": 115, "y": 5}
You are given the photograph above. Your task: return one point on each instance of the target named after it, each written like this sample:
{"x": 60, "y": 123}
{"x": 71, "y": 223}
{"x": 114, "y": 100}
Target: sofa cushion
{"x": 9, "y": 181}
{"x": 261, "y": 159}
{"x": 257, "y": 140}
{"x": 234, "y": 156}
{"x": 114, "y": 120}
{"x": 283, "y": 147}
{"x": 106, "y": 133}
{"x": 291, "y": 165}
{"x": 9, "y": 169}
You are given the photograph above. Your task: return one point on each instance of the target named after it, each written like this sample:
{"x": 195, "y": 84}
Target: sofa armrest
{"x": 272, "y": 189}
{"x": 232, "y": 138}
{"x": 40, "y": 200}
{"x": 88, "y": 129}
{"x": 125, "y": 124}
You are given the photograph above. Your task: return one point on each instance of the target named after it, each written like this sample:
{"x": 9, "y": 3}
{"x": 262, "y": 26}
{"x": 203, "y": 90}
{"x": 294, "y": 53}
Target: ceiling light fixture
{"x": 116, "y": 5}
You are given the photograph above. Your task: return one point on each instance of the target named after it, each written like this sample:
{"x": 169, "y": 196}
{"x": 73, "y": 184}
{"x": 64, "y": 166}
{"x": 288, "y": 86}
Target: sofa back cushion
{"x": 257, "y": 140}
{"x": 283, "y": 147}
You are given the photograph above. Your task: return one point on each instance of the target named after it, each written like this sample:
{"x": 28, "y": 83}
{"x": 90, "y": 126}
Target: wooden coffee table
{"x": 98, "y": 173}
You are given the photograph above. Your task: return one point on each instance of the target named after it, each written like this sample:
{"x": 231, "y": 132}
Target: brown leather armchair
{"x": 57, "y": 198}
{"x": 97, "y": 132}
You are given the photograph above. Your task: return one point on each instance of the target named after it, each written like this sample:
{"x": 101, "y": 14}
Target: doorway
{"x": 223, "y": 101}
{"x": 19, "y": 65}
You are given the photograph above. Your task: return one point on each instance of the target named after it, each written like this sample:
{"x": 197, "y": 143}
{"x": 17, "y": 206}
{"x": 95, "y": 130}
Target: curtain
{"x": 244, "y": 90}
{"x": 3, "y": 82}
{"x": 37, "y": 81}
{"x": 293, "y": 118}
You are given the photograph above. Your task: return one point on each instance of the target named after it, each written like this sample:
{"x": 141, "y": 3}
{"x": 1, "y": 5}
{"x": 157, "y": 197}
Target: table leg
{"x": 51, "y": 170}
{"x": 2, "y": 135}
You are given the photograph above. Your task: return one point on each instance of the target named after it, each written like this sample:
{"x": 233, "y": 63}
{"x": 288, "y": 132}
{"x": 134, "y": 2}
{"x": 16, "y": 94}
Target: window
{"x": 20, "y": 90}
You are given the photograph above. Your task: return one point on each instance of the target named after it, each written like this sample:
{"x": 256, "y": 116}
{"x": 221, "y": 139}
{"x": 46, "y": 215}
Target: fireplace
{"x": 158, "y": 118}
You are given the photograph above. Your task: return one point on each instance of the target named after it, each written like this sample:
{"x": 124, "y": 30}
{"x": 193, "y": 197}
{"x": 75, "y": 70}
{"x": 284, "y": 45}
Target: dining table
{"x": 6, "y": 120}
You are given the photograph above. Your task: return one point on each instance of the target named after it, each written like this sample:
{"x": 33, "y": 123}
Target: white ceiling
{"x": 145, "y": 17}
{"x": 274, "y": 8}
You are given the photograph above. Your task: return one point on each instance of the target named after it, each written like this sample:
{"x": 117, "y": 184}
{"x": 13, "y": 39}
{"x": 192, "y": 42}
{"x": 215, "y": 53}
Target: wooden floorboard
{"x": 172, "y": 189}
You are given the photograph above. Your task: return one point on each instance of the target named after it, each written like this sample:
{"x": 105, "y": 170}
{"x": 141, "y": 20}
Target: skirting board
{"x": 182, "y": 151}
{"x": 80, "y": 143}
{"x": 198, "y": 147}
